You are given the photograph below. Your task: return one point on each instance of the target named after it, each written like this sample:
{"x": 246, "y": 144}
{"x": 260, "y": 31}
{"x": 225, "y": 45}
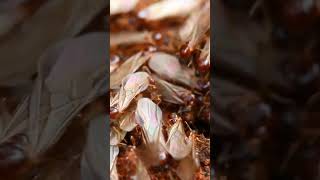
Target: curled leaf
{"x": 169, "y": 68}
{"x": 132, "y": 85}
{"x": 168, "y": 8}
{"x": 178, "y": 145}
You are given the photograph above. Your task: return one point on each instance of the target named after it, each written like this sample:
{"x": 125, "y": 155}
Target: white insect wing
{"x": 114, "y": 151}
{"x": 132, "y": 85}
{"x": 128, "y": 38}
{"x": 116, "y": 136}
{"x": 141, "y": 172}
{"x": 114, "y": 99}
{"x": 131, "y": 65}
{"x": 128, "y": 123}
{"x": 149, "y": 117}
{"x": 122, "y": 6}
{"x": 201, "y": 26}
{"x": 178, "y": 145}
{"x": 168, "y": 8}
{"x": 170, "y": 92}
{"x": 168, "y": 67}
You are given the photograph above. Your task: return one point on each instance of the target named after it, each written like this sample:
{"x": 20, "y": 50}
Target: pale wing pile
{"x": 148, "y": 79}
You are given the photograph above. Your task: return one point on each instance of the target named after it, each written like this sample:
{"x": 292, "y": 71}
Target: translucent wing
{"x": 178, "y": 145}
{"x": 168, "y": 8}
{"x": 130, "y": 66}
{"x": 149, "y": 117}
{"x": 122, "y": 6}
{"x": 132, "y": 85}
{"x": 168, "y": 67}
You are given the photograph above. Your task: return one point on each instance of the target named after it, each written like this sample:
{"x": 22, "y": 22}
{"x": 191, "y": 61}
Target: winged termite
{"x": 122, "y": 6}
{"x": 114, "y": 100}
{"x": 114, "y": 173}
{"x": 114, "y": 63}
{"x": 114, "y": 151}
{"x": 116, "y": 136}
{"x": 168, "y": 8}
{"x": 171, "y": 93}
{"x": 203, "y": 61}
{"x": 128, "y": 122}
{"x": 149, "y": 116}
{"x": 196, "y": 26}
{"x": 174, "y": 86}
{"x": 178, "y": 144}
{"x": 168, "y": 67}
{"x": 132, "y": 85}
{"x": 186, "y": 168}
{"x": 141, "y": 172}
{"x": 131, "y": 65}
{"x": 129, "y": 38}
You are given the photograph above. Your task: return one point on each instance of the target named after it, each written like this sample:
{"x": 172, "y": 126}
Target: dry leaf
{"x": 132, "y": 85}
